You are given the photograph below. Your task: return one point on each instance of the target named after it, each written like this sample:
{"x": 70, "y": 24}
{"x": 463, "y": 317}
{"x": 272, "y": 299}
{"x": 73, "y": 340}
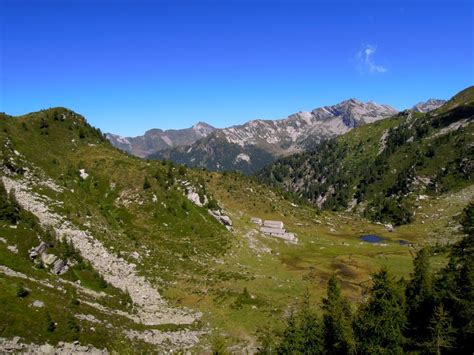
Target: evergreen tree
{"x": 292, "y": 338}
{"x": 337, "y": 329}
{"x": 454, "y": 288}
{"x": 441, "y": 332}
{"x": 146, "y": 184}
{"x": 303, "y": 332}
{"x": 380, "y": 322}
{"x": 419, "y": 297}
{"x": 9, "y": 207}
{"x": 311, "y": 334}
{"x": 463, "y": 257}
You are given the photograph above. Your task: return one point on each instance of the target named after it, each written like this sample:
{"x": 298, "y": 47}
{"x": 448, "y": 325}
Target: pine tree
{"x": 311, "y": 340}
{"x": 441, "y": 331}
{"x": 146, "y": 184}
{"x": 292, "y": 338}
{"x": 454, "y": 288}
{"x": 338, "y": 336}
{"x": 9, "y": 207}
{"x": 419, "y": 297}
{"x": 380, "y": 322}
{"x": 463, "y": 310}
{"x": 303, "y": 332}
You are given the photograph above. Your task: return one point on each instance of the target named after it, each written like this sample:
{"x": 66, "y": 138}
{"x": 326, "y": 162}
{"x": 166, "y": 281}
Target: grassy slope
{"x": 170, "y": 234}
{"x": 194, "y": 261}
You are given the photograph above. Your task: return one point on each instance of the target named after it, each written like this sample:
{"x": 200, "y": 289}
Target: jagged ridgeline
{"x": 90, "y": 237}
{"x": 382, "y": 168}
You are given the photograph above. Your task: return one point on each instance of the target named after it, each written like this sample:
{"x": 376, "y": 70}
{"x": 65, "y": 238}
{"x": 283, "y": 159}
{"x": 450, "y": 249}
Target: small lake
{"x": 371, "y": 238}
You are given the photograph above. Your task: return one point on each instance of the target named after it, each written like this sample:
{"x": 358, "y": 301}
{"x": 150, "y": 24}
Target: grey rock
{"x": 35, "y": 252}
{"x": 38, "y": 304}
{"x": 156, "y": 139}
{"x": 429, "y": 105}
{"x": 59, "y": 267}
{"x": 251, "y": 146}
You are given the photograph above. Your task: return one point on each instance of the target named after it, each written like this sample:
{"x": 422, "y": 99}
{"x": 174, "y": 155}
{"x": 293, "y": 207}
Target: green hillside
{"x": 383, "y": 169}
{"x": 149, "y": 269}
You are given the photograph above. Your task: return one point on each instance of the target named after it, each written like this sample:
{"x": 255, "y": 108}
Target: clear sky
{"x": 133, "y": 65}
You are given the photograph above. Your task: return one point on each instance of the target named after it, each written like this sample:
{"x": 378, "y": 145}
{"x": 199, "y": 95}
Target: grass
{"x": 241, "y": 280}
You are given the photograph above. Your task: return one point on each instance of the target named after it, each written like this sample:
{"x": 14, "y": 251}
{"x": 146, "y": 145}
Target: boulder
{"x": 48, "y": 259}
{"x": 34, "y": 252}
{"x": 59, "y": 267}
{"x": 225, "y": 220}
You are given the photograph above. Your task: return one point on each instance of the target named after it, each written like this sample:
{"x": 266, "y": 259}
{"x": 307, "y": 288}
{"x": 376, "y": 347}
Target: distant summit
{"x": 156, "y": 139}
{"x": 250, "y": 146}
{"x": 429, "y": 105}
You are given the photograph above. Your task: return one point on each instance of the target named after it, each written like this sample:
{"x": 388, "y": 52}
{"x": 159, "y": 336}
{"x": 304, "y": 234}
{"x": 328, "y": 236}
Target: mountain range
{"x": 103, "y": 252}
{"x": 381, "y": 169}
{"x": 251, "y": 146}
{"x": 156, "y": 139}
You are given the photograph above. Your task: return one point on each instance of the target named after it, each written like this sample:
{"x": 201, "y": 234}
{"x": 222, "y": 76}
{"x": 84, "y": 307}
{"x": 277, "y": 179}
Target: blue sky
{"x": 133, "y": 65}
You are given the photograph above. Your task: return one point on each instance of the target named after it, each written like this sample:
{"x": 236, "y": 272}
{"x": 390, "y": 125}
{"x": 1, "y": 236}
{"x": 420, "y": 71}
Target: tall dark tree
{"x": 419, "y": 297}
{"x": 338, "y": 336}
{"x": 292, "y": 339}
{"x": 303, "y": 332}
{"x": 463, "y": 258}
{"x": 381, "y": 321}
{"x": 441, "y": 338}
{"x": 9, "y": 208}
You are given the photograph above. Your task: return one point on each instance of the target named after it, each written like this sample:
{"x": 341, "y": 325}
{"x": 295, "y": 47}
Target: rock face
{"x": 15, "y": 346}
{"x": 222, "y": 218}
{"x": 429, "y": 105}
{"x": 251, "y": 146}
{"x": 156, "y": 139}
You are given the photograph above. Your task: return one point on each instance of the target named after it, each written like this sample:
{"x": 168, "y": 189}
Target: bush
{"x": 146, "y": 184}
{"x": 21, "y": 291}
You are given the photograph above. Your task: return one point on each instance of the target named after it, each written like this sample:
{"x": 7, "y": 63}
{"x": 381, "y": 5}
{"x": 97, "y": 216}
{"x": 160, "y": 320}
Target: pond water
{"x": 371, "y": 238}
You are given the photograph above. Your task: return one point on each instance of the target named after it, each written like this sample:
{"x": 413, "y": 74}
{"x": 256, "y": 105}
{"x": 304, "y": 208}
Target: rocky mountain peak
{"x": 203, "y": 128}
{"x": 261, "y": 141}
{"x": 429, "y": 105}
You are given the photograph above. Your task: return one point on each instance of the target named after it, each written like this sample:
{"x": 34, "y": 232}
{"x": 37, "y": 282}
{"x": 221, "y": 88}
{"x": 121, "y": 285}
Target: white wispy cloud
{"x": 365, "y": 60}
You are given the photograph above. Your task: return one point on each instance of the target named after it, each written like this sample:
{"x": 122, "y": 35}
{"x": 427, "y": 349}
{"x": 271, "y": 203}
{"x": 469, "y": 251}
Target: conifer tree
{"x": 292, "y": 338}
{"x": 419, "y": 297}
{"x": 338, "y": 336}
{"x": 303, "y": 332}
{"x": 441, "y": 331}
{"x": 9, "y": 208}
{"x": 380, "y": 322}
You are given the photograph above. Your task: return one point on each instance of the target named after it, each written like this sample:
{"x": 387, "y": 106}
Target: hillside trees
{"x": 381, "y": 321}
{"x": 9, "y": 208}
{"x": 338, "y": 336}
{"x": 432, "y": 313}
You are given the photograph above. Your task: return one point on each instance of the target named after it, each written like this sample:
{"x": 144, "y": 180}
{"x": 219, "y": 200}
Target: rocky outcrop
{"x": 222, "y": 218}
{"x": 16, "y": 346}
{"x": 181, "y": 339}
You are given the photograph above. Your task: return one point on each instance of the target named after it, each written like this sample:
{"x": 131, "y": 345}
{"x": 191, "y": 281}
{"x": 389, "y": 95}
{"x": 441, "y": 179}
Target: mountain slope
{"x": 249, "y": 147}
{"x": 156, "y": 139}
{"x": 384, "y": 167}
{"x": 148, "y": 269}
{"x": 129, "y": 227}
